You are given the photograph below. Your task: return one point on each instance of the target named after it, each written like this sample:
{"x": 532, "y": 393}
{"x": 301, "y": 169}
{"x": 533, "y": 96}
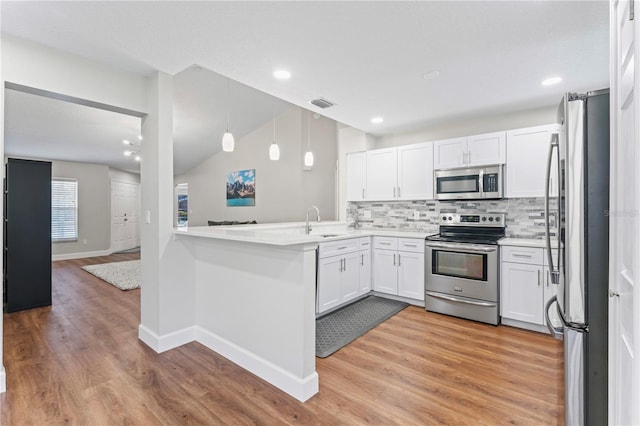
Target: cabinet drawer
{"x": 386, "y": 243}
{"x": 364, "y": 243}
{"x": 531, "y": 255}
{"x": 411, "y": 244}
{"x": 338, "y": 247}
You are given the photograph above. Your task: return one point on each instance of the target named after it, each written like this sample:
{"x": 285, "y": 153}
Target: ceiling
{"x": 369, "y": 58}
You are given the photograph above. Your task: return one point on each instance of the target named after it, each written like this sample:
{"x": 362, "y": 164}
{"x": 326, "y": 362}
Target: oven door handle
{"x": 462, "y": 247}
{"x": 455, "y": 299}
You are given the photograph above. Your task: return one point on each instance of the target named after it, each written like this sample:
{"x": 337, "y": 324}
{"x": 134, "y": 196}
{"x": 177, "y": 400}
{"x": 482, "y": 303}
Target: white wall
{"x": 473, "y": 126}
{"x": 283, "y": 190}
{"x": 41, "y": 67}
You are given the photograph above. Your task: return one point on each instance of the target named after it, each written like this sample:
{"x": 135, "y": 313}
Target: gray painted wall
{"x": 284, "y": 190}
{"x": 94, "y": 213}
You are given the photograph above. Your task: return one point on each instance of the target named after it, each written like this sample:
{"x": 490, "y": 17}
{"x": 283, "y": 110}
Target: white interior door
{"x": 624, "y": 267}
{"x": 125, "y": 202}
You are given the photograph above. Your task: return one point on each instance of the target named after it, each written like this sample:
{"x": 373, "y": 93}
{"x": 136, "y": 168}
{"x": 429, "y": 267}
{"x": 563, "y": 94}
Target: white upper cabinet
{"x": 449, "y": 153}
{"x": 527, "y": 151}
{"x": 382, "y": 171}
{"x": 486, "y": 149}
{"x": 415, "y": 172}
{"x": 356, "y": 176}
{"x": 402, "y": 173}
{"x": 478, "y": 150}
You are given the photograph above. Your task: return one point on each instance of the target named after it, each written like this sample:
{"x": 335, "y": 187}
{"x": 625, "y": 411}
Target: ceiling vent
{"x": 321, "y": 103}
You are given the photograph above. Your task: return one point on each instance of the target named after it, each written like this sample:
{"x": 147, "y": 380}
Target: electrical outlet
{"x": 366, "y": 214}
{"x": 416, "y": 215}
{"x": 84, "y": 241}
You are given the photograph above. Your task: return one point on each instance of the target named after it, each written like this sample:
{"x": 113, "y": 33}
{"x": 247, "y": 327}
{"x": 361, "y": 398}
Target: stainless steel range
{"x": 462, "y": 264}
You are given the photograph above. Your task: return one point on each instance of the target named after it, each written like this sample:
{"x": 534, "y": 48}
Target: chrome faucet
{"x": 307, "y": 227}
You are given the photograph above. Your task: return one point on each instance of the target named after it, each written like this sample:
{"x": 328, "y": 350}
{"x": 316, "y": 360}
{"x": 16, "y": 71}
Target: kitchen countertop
{"x": 291, "y": 233}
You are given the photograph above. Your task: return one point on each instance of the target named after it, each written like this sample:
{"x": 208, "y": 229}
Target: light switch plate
{"x": 416, "y": 215}
{"x": 147, "y": 216}
{"x": 366, "y": 214}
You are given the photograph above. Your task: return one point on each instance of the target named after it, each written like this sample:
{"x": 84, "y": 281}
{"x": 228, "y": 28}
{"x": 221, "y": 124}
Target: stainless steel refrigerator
{"x": 579, "y": 216}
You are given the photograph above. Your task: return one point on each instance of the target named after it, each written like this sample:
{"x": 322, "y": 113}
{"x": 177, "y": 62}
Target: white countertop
{"x": 290, "y": 233}
{"x": 526, "y": 242}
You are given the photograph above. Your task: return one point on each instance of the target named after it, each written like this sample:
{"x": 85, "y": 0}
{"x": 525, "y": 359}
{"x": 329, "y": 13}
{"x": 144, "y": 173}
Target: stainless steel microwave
{"x": 472, "y": 183}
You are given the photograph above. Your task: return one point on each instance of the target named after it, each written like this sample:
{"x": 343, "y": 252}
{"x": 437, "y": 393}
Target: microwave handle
{"x": 481, "y": 178}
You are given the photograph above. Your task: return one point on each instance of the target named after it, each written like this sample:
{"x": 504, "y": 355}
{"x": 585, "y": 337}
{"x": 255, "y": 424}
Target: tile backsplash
{"x": 525, "y": 216}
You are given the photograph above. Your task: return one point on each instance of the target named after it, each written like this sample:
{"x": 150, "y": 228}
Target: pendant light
{"x": 274, "y": 149}
{"x": 308, "y": 156}
{"x": 227, "y": 139}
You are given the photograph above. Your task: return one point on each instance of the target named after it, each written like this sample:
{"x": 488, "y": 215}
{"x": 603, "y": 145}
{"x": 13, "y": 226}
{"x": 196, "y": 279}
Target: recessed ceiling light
{"x": 431, "y": 75}
{"x": 126, "y": 142}
{"x": 282, "y": 74}
{"x": 377, "y": 120}
{"x": 551, "y": 81}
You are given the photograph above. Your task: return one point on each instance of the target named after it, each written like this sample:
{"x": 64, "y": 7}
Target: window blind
{"x": 64, "y": 210}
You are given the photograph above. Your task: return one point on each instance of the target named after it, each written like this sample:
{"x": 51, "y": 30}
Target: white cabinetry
{"x": 402, "y": 173}
{"x": 344, "y": 272}
{"x": 527, "y": 151}
{"x": 338, "y": 273}
{"x": 477, "y": 150}
{"x": 365, "y": 265}
{"x": 382, "y": 171}
{"x": 525, "y": 286}
{"x": 398, "y": 266}
{"x": 356, "y": 176}
{"x": 415, "y": 172}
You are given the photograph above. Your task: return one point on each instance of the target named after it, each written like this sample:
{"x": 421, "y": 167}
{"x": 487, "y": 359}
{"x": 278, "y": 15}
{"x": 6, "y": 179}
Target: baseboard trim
{"x": 301, "y": 388}
{"x": 167, "y": 341}
{"x": 82, "y": 255}
{"x": 3, "y": 380}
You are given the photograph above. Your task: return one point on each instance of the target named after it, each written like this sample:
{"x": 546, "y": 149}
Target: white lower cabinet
{"x": 521, "y": 292}
{"x": 398, "y": 266}
{"x": 341, "y": 271}
{"x": 525, "y": 285}
{"x": 365, "y": 270}
{"x": 385, "y": 271}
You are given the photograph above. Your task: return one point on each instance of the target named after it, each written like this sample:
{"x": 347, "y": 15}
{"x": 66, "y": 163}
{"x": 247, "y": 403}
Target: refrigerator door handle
{"x": 554, "y": 272}
{"x": 556, "y": 332}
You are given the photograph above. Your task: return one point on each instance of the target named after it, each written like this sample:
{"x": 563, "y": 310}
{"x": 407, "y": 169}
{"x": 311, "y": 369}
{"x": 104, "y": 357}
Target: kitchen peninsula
{"x": 255, "y": 296}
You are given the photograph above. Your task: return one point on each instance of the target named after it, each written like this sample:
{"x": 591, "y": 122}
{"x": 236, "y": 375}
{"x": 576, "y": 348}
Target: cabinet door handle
{"x": 345, "y": 264}
{"x": 410, "y": 245}
{"x": 526, "y": 256}
{"x": 547, "y": 278}
{"x": 538, "y": 278}
{"x": 468, "y": 157}
{"x": 394, "y": 260}
{"x": 394, "y": 192}
{"x": 398, "y": 192}
{"x": 399, "y": 262}
{"x": 363, "y": 193}
{"x": 362, "y": 259}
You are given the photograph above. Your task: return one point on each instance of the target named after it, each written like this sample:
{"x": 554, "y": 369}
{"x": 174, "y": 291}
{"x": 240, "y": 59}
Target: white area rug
{"x": 123, "y": 275}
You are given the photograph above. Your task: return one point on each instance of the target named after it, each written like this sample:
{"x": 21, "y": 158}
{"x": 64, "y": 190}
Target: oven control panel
{"x": 485, "y": 219}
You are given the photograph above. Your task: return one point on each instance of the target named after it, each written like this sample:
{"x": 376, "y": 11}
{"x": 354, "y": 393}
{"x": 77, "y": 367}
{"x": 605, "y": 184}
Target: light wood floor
{"x": 80, "y": 362}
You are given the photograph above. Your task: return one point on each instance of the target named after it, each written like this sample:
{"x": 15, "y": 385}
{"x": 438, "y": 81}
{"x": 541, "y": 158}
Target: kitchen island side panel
{"x": 256, "y": 306}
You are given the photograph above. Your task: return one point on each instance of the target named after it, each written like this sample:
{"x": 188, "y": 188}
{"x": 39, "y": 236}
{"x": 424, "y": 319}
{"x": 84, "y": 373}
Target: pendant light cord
{"x": 309, "y": 130}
